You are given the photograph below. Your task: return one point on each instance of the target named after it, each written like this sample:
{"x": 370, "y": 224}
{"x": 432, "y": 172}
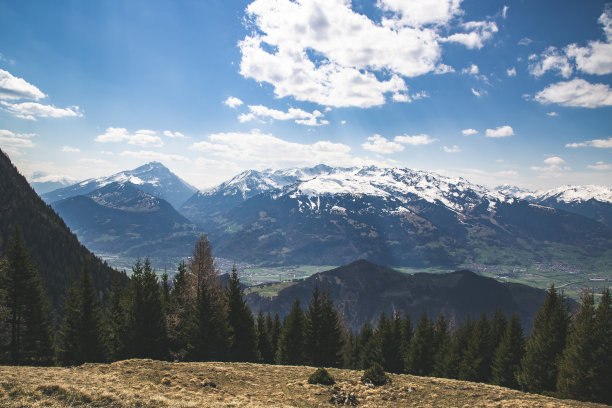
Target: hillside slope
{"x": 55, "y": 250}
{"x": 148, "y": 383}
{"x": 363, "y": 290}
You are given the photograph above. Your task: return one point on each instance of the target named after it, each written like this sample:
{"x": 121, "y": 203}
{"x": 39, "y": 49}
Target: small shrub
{"x": 321, "y": 376}
{"x": 375, "y": 375}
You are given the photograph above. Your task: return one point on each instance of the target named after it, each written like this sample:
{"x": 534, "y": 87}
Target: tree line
{"x": 196, "y": 318}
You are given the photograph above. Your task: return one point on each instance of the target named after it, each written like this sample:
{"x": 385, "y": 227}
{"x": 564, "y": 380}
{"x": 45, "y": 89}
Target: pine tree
{"x": 180, "y": 314}
{"x": 406, "y": 336}
{"x": 449, "y": 367}
{"x": 30, "y": 331}
{"x": 545, "y": 345}
{"x": 389, "y": 340}
{"x": 148, "y": 322}
{"x": 82, "y": 333}
{"x": 420, "y": 357}
{"x": 600, "y": 388}
{"x": 508, "y": 355}
{"x": 576, "y": 375}
{"x": 264, "y": 341}
{"x": 442, "y": 342}
{"x": 208, "y": 340}
{"x": 323, "y": 335}
{"x": 476, "y": 362}
{"x": 116, "y": 318}
{"x": 498, "y": 327}
{"x": 242, "y": 334}
{"x": 291, "y": 342}
{"x": 274, "y": 328}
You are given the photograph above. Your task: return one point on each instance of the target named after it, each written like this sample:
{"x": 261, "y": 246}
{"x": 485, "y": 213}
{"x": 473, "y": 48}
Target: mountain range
{"x": 333, "y": 215}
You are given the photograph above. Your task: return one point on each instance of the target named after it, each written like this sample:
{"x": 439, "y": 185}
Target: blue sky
{"x": 513, "y": 91}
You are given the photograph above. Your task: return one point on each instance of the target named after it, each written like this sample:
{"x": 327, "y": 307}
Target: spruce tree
{"x": 29, "y": 327}
{"x": 545, "y": 345}
{"x": 389, "y": 340}
{"x": 576, "y": 375}
{"x": 180, "y": 314}
{"x": 508, "y": 355}
{"x": 367, "y": 350}
{"x": 442, "y": 343}
{"x": 420, "y": 357}
{"x": 476, "y": 362}
{"x": 600, "y": 388}
{"x": 313, "y": 333}
{"x": 4, "y": 321}
{"x": 242, "y": 334}
{"x": 81, "y": 337}
{"x": 498, "y": 327}
{"x": 148, "y": 322}
{"x": 264, "y": 341}
{"x": 460, "y": 339}
{"x": 274, "y": 328}
{"x": 291, "y": 342}
{"x": 332, "y": 336}
{"x": 117, "y": 324}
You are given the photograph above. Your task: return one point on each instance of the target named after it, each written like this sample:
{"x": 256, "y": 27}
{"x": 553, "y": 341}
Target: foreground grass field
{"x": 148, "y": 383}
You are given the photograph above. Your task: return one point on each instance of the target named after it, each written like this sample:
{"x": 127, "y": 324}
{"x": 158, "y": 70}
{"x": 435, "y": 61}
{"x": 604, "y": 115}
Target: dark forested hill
{"x": 363, "y": 290}
{"x": 55, "y": 250}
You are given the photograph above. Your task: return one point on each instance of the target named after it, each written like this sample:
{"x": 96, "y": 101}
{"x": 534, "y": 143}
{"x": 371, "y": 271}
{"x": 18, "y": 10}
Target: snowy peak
{"x": 152, "y": 178}
{"x": 578, "y": 194}
{"x": 126, "y": 197}
{"x": 517, "y": 192}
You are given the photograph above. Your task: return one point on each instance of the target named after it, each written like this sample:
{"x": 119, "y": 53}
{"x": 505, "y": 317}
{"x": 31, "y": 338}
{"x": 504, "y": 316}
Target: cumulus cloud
{"x": 33, "y": 110}
{"x": 501, "y": 131}
{"x": 379, "y": 144}
{"x": 300, "y": 116}
{"x": 452, "y": 149}
{"x": 477, "y": 33}
{"x": 69, "y": 149}
{"x": 232, "y": 102}
{"x": 595, "y": 58}
{"x": 174, "y": 135}
{"x": 416, "y": 140}
{"x": 12, "y": 142}
{"x": 153, "y": 156}
{"x": 554, "y": 166}
{"x": 550, "y": 60}
{"x": 468, "y": 132}
{"x": 144, "y": 138}
{"x": 600, "y": 143}
{"x": 266, "y": 149}
{"x": 12, "y": 87}
{"x": 576, "y": 93}
{"x": 552, "y": 114}
{"x": 325, "y": 52}
{"x": 600, "y": 166}
{"x": 471, "y": 70}
{"x": 511, "y": 72}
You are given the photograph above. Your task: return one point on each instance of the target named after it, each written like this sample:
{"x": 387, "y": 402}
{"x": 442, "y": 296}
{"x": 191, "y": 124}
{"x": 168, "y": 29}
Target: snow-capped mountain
{"x": 394, "y": 216}
{"x": 516, "y": 192}
{"x": 43, "y": 183}
{"x": 591, "y": 201}
{"x": 152, "y": 178}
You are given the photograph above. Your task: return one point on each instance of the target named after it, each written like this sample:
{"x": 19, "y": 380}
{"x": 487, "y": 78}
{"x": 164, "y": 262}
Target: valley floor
{"x": 148, "y": 383}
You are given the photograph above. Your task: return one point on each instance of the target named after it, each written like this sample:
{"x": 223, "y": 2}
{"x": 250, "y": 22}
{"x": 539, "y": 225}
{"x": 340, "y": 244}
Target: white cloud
{"x": 525, "y": 41}
{"x": 12, "y": 142}
{"x": 505, "y": 11}
{"x": 511, "y": 72}
{"x": 468, "y": 132}
{"x": 478, "y": 33}
{"x": 472, "y": 70}
{"x": 343, "y": 122}
{"x": 232, "y": 102}
{"x": 261, "y": 149}
{"x": 325, "y": 52}
{"x": 69, "y": 149}
{"x": 300, "y": 116}
{"x": 596, "y": 57}
{"x": 501, "y": 131}
{"x": 12, "y": 87}
{"x": 452, "y": 149}
{"x": 144, "y": 138}
{"x": 174, "y": 135}
{"x": 553, "y": 114}
{"x": 600, "y": 166}
{"x": 600, "y": 143}
{"x": 416, "y": 140}
{"x": 554, "y": 166}
{"x": 479, "y": 93}
{"x": 550, "y": 60}
{"x": 33, "y": 110}
{"x": 379, "y": 144}
{"x": 153, "y": 156}
{"x": 577, "y": 93}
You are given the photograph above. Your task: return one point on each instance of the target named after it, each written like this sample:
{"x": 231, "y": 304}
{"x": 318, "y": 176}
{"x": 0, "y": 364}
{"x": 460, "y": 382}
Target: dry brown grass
{"x": 148, "y": 383}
